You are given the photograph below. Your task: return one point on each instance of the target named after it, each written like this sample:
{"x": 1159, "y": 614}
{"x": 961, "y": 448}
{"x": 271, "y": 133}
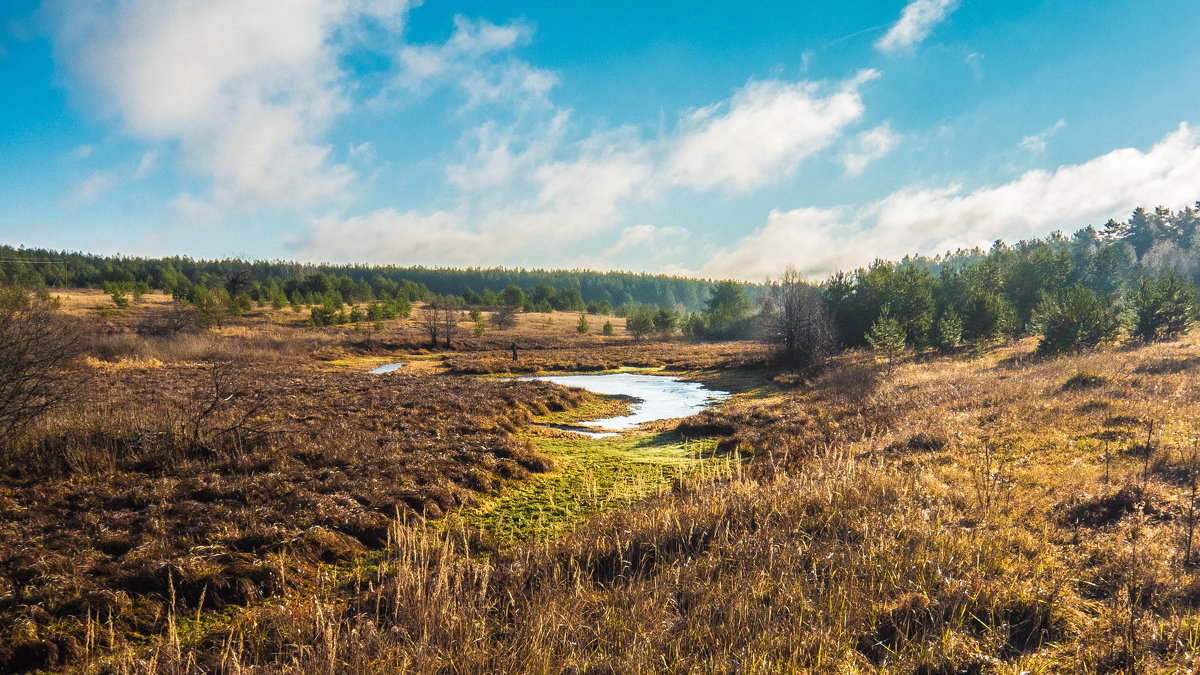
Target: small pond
{"x": 386, "y": 368}
{"x": 660, "y": 397}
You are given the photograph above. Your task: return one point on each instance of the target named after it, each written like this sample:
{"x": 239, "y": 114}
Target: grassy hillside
{"x": 990, "y": 510}
{"x": 961, "y": 514}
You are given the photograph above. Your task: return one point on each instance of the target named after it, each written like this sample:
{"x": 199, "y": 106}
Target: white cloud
{"x": 194, "y": 209}
{"x": 527, "y": 191}
{"x": 974, "y": 62}
{"x": 389, "y": 235}
{"x": 475, "y": 59}
{"x": 917, "y": 20}
{"x": 867, "y": 147}
{"x": 525, "y": 205}
{"x": 247, "y": 89}
{"x": 93, "y": 187}
{"x": 147, "y": 163}
{"x": 647, "y": 236}
{"x": 1036, "y": 144}
{"x": 762, "y": 134}
{"x": 935, "y": 220}
{"x": 246, "y": 94}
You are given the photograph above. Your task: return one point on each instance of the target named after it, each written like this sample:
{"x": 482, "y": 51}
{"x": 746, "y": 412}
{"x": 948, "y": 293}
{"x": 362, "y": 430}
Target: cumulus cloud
{"x": 527, "y": 191}
{"x": 246, "y": 89}
{"x": 867, "y": 147}
{"x": 763, "y": 133}
{"x": 822, "y": 240}
{"x": 247, "y": 93}
{"x": 917, "y": 20}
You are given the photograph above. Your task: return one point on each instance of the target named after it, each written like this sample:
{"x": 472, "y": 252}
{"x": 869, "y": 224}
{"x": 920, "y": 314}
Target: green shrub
{"x": 1163, "y": 307}
{"x": 1074, "y": 320}
{"x": 947, "y": 332}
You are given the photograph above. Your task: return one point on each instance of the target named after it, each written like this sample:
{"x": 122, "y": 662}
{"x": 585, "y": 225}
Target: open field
{"x": 990, "y": 511}
{"x": 212, "y": 470}
{"x": 953, "y": 515}
{"x": 532, "y": 330}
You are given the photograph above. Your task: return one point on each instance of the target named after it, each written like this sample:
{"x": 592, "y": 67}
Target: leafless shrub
{"x": 176, "y": 318}
{"x": 37, "y": 350}
{"x": 794, "y": 318}
{"x": 504, "y": 318}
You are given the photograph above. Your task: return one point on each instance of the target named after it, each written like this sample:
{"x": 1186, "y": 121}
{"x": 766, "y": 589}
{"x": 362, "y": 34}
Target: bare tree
{"x": 37, "y": 351}
{"x": 429, "y": 318}
{"x": 450, "y": 312}
{"x": 504, "y": 317}
{"x": 221, "y": 421}
{"x": 175, "y": 318}
{"x": 794, "y": 318}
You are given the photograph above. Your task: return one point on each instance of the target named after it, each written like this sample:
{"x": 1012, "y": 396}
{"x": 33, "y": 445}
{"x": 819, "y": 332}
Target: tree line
{"x": 1137, "y": 277}
{"x": 308, "y": 284}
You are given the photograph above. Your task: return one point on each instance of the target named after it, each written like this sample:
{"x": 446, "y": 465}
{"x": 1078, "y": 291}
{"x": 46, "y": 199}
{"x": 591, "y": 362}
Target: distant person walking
{"x": 514, "y": 348}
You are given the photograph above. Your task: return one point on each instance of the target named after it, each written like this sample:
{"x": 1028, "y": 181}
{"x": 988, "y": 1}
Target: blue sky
{"x": 682, "y": 137}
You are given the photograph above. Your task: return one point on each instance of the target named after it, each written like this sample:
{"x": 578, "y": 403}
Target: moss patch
{"x": 593, "y": 475}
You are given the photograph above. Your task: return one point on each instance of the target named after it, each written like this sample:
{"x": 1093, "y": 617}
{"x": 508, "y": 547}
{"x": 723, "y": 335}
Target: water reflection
{"x": 661, "y": 397}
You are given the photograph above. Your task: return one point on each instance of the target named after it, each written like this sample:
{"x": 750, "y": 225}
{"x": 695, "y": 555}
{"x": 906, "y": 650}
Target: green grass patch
{"x": 593, "y": 476}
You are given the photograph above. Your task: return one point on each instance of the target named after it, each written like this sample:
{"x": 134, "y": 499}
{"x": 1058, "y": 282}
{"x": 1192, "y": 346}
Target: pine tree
{"x": 947, "y": 332}
{"x": 582, "y": 326}
{"x": 1163, "y": 308}
{"x": 1075, "y": 319}
{"x": 887, "y": 335}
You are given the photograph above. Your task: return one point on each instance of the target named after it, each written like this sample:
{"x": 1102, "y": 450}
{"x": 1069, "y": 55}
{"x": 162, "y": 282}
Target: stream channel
{"x": 659, "y": 397}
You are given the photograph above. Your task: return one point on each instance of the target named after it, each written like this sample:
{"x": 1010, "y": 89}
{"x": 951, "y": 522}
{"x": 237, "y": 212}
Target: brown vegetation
{"x": 951, "y": 516}
{"x": 207, "y": 486}
{"x": 559, "y": 358}
{"x": 990, "y": 513}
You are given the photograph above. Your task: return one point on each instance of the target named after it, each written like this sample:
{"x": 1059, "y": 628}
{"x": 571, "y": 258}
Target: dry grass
{"x": 136, "y": 501}
{"x": 576, "y": 358}
{"x": 953, "y": 516}
{"x": 1001, "y": 513}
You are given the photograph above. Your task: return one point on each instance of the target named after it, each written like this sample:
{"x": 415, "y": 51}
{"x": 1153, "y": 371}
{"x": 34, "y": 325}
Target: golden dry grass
{"x": 968, "y": 514}
{"x": 950, "y": 515}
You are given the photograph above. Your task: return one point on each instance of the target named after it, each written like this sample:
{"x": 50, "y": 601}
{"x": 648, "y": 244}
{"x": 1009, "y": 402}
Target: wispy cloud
{"x": 93, "y": 187}
{"x": 476, "y": 59}
{"x": 146, "y": 165}
{"x": 1036, "y": 144}
{"x": 917, "y": 21}
{"x": 868, "y": 147}
{"x": 934, "y": 220}
{"x": 525, "y": 192}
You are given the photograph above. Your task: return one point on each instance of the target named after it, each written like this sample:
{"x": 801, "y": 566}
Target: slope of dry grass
{"x": 998, "y": 513}
{"x": 953, "y": 515}
{"x": 158, "y": 489}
